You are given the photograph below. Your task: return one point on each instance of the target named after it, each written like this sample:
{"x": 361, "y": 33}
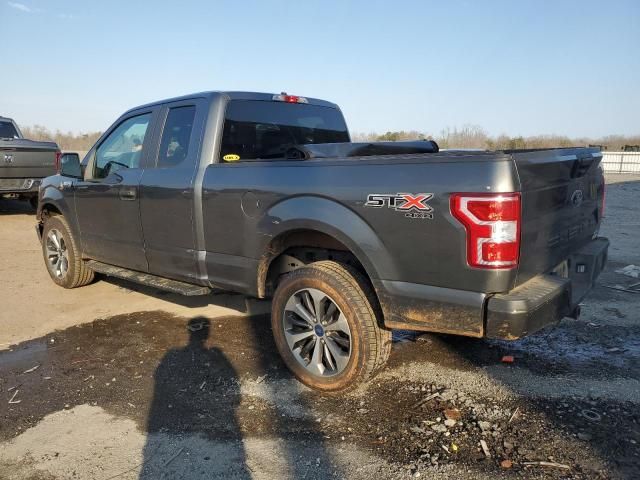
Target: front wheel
{"x": 326, "y": 325}
{"x": 62, "y": 256}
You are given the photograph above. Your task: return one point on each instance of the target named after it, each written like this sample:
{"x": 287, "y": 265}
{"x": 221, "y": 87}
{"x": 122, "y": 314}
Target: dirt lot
{"x": 117, "y": 381}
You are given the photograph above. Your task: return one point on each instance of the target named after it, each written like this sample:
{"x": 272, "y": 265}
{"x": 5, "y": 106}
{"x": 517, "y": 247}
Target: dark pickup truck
{"x": 265, "y": 195}
{"x": 24, "y": 163}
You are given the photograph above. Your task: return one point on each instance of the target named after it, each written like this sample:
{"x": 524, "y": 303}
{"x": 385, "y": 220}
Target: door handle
{"x": 128, "y": 193}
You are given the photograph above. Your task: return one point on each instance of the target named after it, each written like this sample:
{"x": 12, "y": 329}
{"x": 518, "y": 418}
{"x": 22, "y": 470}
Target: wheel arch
{"x": 319, "y": 223}
{"x": 53, "y": 203}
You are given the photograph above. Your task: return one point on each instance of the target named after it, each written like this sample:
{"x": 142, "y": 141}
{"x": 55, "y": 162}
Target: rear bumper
{"x": 542, "y": 301}
{"x": 545, "y": 299}
{"x": 19, "y": 185}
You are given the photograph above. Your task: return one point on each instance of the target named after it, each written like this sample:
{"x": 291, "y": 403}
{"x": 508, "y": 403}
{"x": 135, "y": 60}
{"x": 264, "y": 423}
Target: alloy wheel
{"x": 57, "y": 253}
{"x": 317, "y": 332}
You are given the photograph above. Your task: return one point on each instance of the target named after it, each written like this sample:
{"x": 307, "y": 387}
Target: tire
{"x": 353, "y": 326}
{"x": 70, "y": 271}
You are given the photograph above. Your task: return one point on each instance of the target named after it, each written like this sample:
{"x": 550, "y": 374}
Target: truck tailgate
{"x": 562, "y": 193}
{"x": 27, "y": 159}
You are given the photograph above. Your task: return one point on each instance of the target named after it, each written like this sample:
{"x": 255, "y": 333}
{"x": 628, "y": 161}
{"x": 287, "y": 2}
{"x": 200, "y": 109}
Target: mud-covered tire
{"x": 370, "y": 343}
{"x": 77, "y": 274}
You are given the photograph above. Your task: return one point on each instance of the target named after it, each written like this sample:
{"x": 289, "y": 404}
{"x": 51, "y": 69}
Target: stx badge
{"x": 413, "y": 205}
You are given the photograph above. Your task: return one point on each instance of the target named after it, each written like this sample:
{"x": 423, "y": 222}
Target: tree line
{"x": 473, "y": 136}
{"x": 468, "y": 136}
{"x": 67, "y": 141}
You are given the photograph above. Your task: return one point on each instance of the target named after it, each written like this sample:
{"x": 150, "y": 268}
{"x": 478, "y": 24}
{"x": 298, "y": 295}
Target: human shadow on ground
{"x": 192, "y": 384}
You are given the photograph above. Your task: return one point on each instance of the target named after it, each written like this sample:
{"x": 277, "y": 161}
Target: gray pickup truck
{"x": 265, "y": 195}
{"x": 24, "y": 163}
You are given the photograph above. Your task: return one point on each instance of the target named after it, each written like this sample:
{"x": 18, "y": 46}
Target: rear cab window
{"x": 7, "y": 130}
{"x": 264, "y": 130}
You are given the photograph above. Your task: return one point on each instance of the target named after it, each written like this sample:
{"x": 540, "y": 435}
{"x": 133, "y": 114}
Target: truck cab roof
{"x": 233, "y": 95}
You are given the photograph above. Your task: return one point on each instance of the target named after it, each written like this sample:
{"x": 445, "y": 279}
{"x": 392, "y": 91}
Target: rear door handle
{"x": 128, "y": 193}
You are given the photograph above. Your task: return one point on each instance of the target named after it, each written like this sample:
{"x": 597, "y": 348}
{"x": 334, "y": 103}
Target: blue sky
{"x": 515, "y": 67}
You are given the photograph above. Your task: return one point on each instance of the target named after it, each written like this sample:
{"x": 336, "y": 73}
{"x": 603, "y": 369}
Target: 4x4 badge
{"x": 412, "y": 204}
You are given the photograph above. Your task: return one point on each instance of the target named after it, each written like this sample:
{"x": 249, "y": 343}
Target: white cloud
{"x": 24, "y": 8}
{"x": 20, "y": 6}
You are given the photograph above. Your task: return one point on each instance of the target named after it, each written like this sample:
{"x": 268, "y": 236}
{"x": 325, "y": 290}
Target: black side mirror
{"x": 70, "y": 165}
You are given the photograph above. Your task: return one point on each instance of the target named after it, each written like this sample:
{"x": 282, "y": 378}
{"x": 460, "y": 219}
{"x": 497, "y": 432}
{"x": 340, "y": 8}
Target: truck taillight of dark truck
{"x": 264, "y": 194}
{"x": 492, "y": 223}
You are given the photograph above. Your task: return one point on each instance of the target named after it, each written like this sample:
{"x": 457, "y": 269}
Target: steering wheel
{"x": 109, "y": 165}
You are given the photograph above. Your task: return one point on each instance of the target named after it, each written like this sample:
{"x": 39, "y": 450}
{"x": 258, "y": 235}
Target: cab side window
{"x": 123, "y": 147}
{"x": 174, "y": 145}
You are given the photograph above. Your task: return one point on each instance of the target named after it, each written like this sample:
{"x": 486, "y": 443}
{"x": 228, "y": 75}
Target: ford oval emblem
{"x": 576, "y": 198}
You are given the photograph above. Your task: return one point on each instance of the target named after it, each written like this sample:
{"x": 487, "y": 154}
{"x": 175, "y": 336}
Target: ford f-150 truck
{"x": 265, "y": 195}
{"x": 24, "y": 163}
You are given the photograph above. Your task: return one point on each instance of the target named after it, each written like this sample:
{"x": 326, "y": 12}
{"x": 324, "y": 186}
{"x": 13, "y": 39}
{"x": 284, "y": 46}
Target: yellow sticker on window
{"x": 231, "y": 157}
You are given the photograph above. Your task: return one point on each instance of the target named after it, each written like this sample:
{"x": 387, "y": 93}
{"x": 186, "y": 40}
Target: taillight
{"x": 492, "y": 222}
{"x": 58, "y": 156}
{"x": 283, "y": 97}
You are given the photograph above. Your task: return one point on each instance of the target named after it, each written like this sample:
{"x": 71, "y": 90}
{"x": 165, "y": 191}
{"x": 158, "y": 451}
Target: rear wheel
{"x": 326, "y": 325}
{"x": 61, "y": 255}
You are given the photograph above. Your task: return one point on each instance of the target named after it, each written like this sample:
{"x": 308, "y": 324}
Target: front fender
{"x": 53, "y": 196}
{"x": 334, "y": 219}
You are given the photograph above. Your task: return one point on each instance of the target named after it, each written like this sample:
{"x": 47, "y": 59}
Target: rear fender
{"x": 333, "y": 219}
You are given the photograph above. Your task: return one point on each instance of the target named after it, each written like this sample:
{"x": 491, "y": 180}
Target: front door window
{"x": 123, "y": 147}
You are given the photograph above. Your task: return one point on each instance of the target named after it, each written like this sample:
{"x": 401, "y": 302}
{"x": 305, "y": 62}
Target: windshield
{"x": 256, "y": 129}
{"x": 7, "y": 130}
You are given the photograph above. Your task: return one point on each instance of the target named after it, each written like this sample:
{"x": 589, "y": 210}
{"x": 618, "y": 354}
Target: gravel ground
{"x": 147, "y": 389}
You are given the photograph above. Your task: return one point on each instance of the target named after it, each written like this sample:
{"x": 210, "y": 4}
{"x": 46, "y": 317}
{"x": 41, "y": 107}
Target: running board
{"x": 175, "y": 286}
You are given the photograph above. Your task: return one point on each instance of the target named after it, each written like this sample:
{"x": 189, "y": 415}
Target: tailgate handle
{"x": 128, "y": 193}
